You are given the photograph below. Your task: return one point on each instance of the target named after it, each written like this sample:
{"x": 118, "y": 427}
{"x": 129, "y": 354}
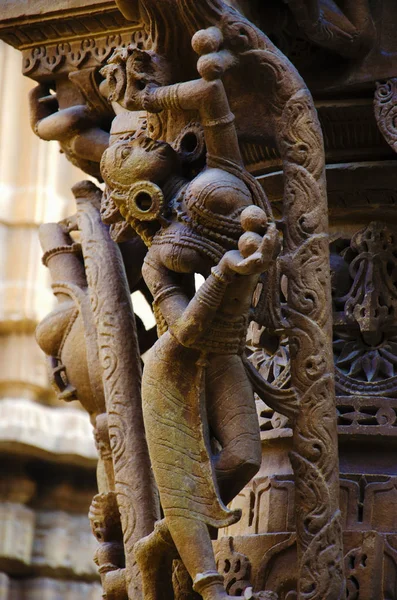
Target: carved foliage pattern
{"x": 117, "y": 347}
{"x": 307, "y": 315}
{"x": 41, "y": 60}
{"x": 385, "y": 104}
{"x": 306, "y": 265}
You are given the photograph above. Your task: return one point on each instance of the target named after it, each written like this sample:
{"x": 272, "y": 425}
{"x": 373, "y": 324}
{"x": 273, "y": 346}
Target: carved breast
{"x": 215, "y": 199}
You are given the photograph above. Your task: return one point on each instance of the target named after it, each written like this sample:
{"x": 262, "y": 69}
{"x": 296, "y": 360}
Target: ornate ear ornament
{"x": 144, "y": 201}
{"x": 190, "y": 143}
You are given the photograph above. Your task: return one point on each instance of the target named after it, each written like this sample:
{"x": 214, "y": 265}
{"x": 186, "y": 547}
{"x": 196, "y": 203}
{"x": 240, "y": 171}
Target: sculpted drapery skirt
{"x": 173, "y": 395}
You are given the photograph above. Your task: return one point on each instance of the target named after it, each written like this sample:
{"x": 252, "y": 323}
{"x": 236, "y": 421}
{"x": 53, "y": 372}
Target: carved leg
{"x": 234, "y": 422}
{"x": 175, "y": 423}
{"x": 154, "y": 555}
{"x": 195, "y": 549}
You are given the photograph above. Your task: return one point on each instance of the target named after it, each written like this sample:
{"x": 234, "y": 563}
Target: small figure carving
{"x": 195, "y": 384}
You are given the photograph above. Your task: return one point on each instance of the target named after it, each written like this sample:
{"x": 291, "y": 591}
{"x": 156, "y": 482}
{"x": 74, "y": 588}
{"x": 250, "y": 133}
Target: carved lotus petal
{"x": 386, "y": 367}
{"x": 349, "y": 353}
{"x": 339, "y": 344}
{"x": 389, "y": 351}
{"x": 370, "y": 365}
{"x": 356, "y": 367}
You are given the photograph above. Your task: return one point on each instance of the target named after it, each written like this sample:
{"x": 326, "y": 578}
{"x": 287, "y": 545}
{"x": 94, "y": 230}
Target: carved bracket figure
{"x": 179, "y": 182}
{"x": 305, "y": 260}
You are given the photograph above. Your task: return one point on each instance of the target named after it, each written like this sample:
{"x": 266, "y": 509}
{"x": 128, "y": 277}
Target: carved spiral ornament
{"x": 385, "y": 105}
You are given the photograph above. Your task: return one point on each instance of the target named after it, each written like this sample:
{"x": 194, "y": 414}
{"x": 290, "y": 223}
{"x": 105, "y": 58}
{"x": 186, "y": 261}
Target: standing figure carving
{"x": 196, "y": 388}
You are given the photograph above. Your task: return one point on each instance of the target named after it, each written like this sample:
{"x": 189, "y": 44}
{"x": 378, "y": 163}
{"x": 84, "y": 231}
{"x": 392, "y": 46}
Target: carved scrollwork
{"x": 72, "y": 54}
{"x": 385, "y": 105}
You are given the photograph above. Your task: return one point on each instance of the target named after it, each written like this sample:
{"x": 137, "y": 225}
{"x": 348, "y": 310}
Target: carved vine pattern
{"x": 120, "y": 360}
{"x": 306, "y": 266}
{"x": 74, "y": 55}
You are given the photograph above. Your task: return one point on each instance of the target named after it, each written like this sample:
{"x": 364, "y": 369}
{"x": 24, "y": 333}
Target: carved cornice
{"x": 65, "y": 39}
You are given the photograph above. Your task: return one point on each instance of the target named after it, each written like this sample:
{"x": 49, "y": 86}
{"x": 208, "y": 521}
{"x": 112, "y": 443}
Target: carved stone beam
{"x": 64, "y": 38}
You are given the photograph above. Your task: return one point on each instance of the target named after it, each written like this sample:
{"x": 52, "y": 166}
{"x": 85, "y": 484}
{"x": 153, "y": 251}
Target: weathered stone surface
{"x": 177, "y": 106}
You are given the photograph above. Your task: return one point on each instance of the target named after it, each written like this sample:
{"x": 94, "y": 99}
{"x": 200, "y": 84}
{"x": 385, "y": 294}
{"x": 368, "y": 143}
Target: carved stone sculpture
{"x": 211, "y": 152}
{"x": 194, "y": 380}
{"x": 193, "y": 225}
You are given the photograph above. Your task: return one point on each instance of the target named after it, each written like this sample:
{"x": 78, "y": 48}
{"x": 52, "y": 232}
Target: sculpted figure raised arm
{"x": 195, "y": 385}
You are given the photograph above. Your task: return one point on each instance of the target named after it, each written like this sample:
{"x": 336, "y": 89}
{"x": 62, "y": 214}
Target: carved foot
{"x": 210, "y": 586}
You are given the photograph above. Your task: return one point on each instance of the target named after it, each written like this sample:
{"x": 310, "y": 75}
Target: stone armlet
{"x": 156, "y": 99}
{"x": 166, "y": 292}
{"x": 66, "y": 249}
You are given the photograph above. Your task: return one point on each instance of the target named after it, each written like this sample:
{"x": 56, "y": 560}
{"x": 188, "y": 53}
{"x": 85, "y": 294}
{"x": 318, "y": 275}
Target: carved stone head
{"x": 138, "y": 159}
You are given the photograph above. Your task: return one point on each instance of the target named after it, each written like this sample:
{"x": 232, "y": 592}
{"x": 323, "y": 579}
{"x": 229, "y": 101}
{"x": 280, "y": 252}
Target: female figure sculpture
{"x": 195, "y": 385}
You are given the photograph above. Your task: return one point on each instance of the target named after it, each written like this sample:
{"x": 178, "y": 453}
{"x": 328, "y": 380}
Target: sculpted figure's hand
{"x": 74, "y": 128}
{"x": 257, "y": 247}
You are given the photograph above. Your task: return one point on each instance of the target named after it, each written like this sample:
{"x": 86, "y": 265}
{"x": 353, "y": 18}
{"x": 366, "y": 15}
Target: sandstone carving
{"x": 217, "y": 435}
